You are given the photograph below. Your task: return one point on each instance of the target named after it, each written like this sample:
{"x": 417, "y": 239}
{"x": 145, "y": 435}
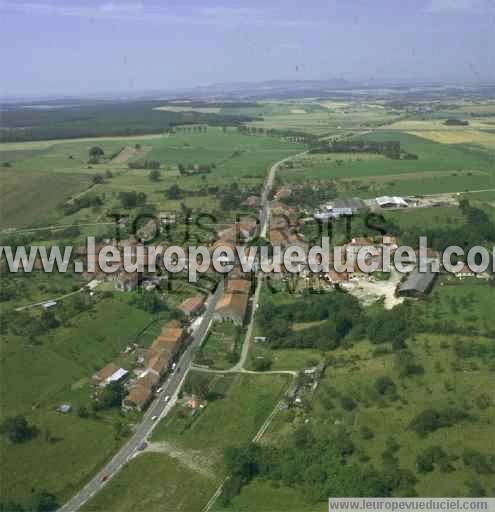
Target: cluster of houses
{"x": 233, "y": 303}
{"x": 153, "y": 363}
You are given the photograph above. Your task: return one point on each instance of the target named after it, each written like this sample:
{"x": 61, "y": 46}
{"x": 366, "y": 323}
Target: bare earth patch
{"x": 192, "y": 459}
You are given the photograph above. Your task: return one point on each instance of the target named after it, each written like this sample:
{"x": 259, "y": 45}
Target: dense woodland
{"x": 105, "y": 119}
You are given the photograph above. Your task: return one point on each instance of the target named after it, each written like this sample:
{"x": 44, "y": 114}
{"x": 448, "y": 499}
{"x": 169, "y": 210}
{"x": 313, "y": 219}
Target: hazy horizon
{"x": 96, "y": 47}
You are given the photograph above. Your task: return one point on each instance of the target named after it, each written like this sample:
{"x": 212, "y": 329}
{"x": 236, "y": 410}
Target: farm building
{"x": 241, "y": 231}
{"x": 138, "y": 397}
{"x": 335, "y": 277}
{"x": 464, "y": 272}
{"x": 251, "y": 201}
{"x": 192, "y": 306}
{"x": 237, "y": 286}
{"x": 417, "y": 284}
{"x": 353, "y": 204}
{"x": 391, "y": 202}
{"x": 108, "y": 374}
{"x": 64, "y": 408}
{"x": 126, "y": 281}
{"x": 278, "y": 237}
{"x": 341, "y": 208}
{"x": 231, "y": 306}
{"x": 169, "y": 340}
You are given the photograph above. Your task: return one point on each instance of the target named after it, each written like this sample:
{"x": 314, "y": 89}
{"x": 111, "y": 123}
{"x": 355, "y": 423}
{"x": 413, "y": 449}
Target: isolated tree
{"x": 44, "y": 501}
{"x": 96, "y": 152}
{"x": 17, "y": 429}
{"x": 174, "y": 192}
{"x": 154, "y": 175}
{"x": 98, "y": 179}
{"x": 201, "y": 386}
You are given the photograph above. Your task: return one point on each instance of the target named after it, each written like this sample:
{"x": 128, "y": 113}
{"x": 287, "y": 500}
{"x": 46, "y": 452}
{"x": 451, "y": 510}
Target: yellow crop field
{"x": 436, "y": 131}
{"x": 457, "y": 137}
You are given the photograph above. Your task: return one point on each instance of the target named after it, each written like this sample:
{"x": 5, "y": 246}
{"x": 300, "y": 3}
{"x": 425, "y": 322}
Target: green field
{"x": 439, "y": 217}
{"x": 59, "y": 170}
{"x": 221, "y": 348}
{"x": 167, "y": 486}
{"x": 443, "y": 383}
{"x": 38, "y": 376}
{"x": 242, "y": 404}
{"x": 325, "y": 118}
{"x": 439, "y": 168}
{"x": 263, "y": 496}
{"x": 25, "y": 197}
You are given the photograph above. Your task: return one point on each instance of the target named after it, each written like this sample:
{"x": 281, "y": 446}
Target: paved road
{"x": 171, "y": 387}
{"x": 157, "y": 409}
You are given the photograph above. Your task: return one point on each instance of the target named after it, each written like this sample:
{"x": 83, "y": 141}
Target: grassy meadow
{"x": 57, "y": 368}
{"x": 440, "y": 168}
{"x": 58, "y": 171}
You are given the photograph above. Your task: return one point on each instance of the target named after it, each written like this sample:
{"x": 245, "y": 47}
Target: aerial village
{"x": 154, "y": 364}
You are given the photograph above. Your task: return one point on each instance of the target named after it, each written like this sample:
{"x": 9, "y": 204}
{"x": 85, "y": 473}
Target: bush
{"x": 17, "y": 429}
{"x": 366, "y": 433}
{"x": 347, "y": 403}
{"x": 386, "y": 386}
{"x": 263, "y": 364}
{"x": 431, "y": 420}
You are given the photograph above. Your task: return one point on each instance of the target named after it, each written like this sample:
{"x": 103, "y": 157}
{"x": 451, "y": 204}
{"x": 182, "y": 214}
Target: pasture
{"x": 238, "y": 406}
{"x": 56, "y": 369}
{"x": 439, "y": 168}
{"x": 58, "y": 170}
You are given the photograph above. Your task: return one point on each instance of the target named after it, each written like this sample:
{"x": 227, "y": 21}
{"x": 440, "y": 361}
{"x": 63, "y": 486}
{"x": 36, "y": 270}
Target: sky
{"x": 79, "y": 47}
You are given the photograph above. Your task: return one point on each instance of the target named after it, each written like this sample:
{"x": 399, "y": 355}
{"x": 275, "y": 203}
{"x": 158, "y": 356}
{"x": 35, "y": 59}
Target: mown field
{"x": 476, "y": 133}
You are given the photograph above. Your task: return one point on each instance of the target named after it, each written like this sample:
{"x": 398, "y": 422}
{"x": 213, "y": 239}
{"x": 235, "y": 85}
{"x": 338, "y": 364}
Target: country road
{"x": 159, "y": 407}
{"x": 157, "y": 410}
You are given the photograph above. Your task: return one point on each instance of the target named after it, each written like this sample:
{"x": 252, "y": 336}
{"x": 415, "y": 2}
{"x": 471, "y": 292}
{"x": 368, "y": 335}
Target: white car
{"x": 153, "y": 418}
{"x": 159, "y": 390}
{"x": 174, "y": 366}
{"x": 167, "y": 398}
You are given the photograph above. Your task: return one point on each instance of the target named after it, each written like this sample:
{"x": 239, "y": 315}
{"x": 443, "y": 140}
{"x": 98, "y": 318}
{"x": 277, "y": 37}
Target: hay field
{"x": 436, "y": 131}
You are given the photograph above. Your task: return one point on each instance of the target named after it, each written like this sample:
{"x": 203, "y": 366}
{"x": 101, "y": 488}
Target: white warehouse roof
{"x": 116, "y": 376}
{"x": 391, "y": 200}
